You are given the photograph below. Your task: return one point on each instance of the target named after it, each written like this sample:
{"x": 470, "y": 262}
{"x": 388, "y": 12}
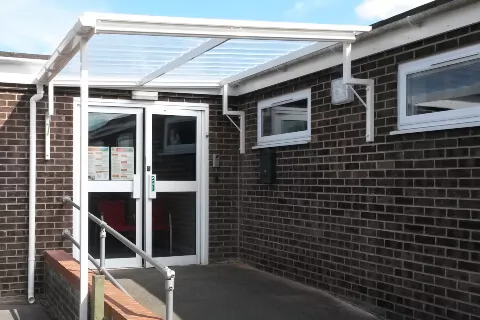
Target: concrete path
{"x": 234, "y": 291}
{"x": 22, "y": 312}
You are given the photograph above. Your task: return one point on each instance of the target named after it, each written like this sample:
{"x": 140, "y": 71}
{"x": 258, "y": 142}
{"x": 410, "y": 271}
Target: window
{"x": 284, "y": 120}
{"x": 440, "y": 92}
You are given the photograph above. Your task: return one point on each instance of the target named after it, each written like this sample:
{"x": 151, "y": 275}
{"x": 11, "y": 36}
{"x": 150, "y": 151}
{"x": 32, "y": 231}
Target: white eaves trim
{"x": 19, "y": 70}
{"x": 379, "y": 40}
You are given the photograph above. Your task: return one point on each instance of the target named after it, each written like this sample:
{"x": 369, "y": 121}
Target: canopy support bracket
{"x": 370, "y": 88}
{"x": 48, "y": 120}
{"x": 240, "y": 114}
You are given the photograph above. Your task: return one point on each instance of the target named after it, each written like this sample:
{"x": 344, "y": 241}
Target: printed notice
{"x": 98, "y": 163}
{"x": 123, "y": 162}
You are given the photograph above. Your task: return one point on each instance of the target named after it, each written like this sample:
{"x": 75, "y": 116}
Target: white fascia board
{"x": 19, "y": 70}
{"x": 195, "y": 52}
{"x": 229, "y": 29}
{"x": 67, "y": 49}
{"x": 277, "y": 62}
{"x": 379, "y": 40}
{"x": 122, "y": 84}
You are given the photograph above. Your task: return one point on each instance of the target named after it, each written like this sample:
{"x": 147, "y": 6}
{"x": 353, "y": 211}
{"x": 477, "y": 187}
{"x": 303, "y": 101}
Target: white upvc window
{"x": 440, "y": 92}
{"x": 284, "y": 120}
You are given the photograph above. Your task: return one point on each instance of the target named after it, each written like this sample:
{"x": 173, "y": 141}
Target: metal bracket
{"x": 170, "y": 284}
{"x": 48, "y": 120}
{"x": 48, "y": 124}
{"x": 240, "y": 114}
{"x": 370, "y": 88}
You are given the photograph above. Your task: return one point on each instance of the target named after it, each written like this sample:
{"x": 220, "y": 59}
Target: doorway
{"x": 148, "y": 179}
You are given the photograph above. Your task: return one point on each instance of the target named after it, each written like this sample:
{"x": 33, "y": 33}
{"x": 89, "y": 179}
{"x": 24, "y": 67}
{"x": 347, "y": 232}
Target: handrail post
{"x": 168, "y": 273}
{"x": 103, "y": 235}
{"x": 169, "y": 287}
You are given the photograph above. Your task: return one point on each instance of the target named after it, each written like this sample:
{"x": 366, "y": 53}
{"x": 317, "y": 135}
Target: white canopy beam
{"x": 201, "y": 49}
{"x": 216, "y": 28}
{"x": 68, "y": 48}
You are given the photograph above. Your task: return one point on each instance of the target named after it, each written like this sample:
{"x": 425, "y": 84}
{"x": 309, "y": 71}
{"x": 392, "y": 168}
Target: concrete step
{"x": 22, "y": 312}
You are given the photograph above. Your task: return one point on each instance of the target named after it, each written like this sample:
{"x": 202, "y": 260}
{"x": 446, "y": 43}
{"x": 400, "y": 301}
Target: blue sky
{"x": 37, "y": 26}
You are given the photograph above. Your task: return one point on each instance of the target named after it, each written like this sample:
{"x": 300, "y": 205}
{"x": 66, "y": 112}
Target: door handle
{"x": 136, "y": 186}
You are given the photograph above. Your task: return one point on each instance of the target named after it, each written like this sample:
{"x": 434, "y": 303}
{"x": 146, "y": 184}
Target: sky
{"x": 38, "y": 26}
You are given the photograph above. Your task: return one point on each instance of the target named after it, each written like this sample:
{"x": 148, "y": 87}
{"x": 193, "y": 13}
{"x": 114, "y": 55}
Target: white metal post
{"x": 347, "y": 62}
{"x": 83, "y": 308}
{"x": 103, "y": 235}
{"x": 169, "y": 287}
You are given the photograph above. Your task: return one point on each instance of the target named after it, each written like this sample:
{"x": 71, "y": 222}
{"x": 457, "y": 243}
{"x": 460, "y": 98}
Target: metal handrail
{"x": 102, "y": 270}
{"x": 168, "y": 273}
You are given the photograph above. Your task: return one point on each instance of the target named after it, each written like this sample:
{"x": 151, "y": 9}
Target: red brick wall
{"x": 54, "y": 180}
{"x": 62, "y": 282}
{"x": 392, "y": 225}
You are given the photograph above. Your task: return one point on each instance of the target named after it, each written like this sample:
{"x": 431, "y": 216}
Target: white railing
{"x": 168, "y": 273}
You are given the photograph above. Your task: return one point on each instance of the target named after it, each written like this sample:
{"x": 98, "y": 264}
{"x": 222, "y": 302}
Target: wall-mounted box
{"x": 268, "y": 166}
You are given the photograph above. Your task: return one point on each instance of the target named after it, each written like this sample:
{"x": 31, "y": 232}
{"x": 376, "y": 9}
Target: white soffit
{"x": 158, "y": 51}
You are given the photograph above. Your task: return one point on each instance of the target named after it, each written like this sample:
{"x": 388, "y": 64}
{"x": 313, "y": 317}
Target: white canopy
{"x": 137, "y": 51}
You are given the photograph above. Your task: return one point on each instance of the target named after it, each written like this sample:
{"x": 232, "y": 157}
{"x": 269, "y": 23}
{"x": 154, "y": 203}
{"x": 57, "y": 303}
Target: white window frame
{"x": 467, "y": 117}
{"x": 284, "y": 139}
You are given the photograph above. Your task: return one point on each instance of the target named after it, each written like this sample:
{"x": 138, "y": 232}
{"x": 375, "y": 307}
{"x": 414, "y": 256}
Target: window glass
{"x": 453, "y": 87}
{"x": 111, "y": 146}
{"x": 285, "y": 118}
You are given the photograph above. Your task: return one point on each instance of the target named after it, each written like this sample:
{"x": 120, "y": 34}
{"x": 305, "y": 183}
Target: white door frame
{"x": 203, "y": 156}
{"x": 115, "y": 186}
{"x": 173, "y": 186}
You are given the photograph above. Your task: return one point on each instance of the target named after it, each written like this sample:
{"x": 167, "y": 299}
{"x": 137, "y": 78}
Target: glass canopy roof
{"x": 154, "y": 51}
{"x": 132, "y": 57}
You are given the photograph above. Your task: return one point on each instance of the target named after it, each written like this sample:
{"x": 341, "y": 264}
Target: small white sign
{"x": 98, "y": 161}
{"x": 123, "y": 163}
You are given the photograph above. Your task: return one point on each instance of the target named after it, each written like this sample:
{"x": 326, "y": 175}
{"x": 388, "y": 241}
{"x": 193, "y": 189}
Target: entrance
{"x": 146, "y": 168}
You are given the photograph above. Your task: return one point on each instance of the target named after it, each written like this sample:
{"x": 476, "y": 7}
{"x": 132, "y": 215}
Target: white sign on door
{"x": 123, "y": 163}
{"x": 98, "y": 163}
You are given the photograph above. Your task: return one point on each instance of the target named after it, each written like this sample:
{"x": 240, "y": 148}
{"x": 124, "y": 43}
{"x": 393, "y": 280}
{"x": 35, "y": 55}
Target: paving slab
{"x": 234, "y": 291}
{"x": 22, "y": 312}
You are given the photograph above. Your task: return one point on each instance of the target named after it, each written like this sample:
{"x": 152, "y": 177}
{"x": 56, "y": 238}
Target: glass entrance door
{"x": 115, "y": 181}
{"x": 172, "y": 171}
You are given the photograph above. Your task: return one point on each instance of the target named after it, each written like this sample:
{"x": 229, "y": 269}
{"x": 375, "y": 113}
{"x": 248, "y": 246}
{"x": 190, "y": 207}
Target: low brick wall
{"x": 62, "y": 282}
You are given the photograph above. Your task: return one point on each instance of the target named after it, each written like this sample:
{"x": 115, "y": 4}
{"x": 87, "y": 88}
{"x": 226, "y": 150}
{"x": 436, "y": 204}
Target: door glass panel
{"x": 119, "y": 210}
{"x": 174, "y": 149}
{"x": 117, "y": 132}
{"x": 174, "y": 224}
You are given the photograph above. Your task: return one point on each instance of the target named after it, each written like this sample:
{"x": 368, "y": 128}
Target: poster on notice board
{"x": 123, "y": 163}
{"x": 98, "y": 161}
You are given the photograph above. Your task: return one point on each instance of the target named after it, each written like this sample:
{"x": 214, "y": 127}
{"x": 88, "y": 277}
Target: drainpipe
{"x": 32, "y": 191}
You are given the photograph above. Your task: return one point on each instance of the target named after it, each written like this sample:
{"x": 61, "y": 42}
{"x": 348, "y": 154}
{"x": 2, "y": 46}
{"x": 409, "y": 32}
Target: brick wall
{"x": 54, "y": 180}
{"x": 62, "y": 282}
{"x": 392, "y": 225}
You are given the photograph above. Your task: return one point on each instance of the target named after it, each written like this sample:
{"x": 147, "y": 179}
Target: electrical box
{"x": 268, "y": 166}
{"x": 341, "y": 93}
{"x": 216, "y": 160}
